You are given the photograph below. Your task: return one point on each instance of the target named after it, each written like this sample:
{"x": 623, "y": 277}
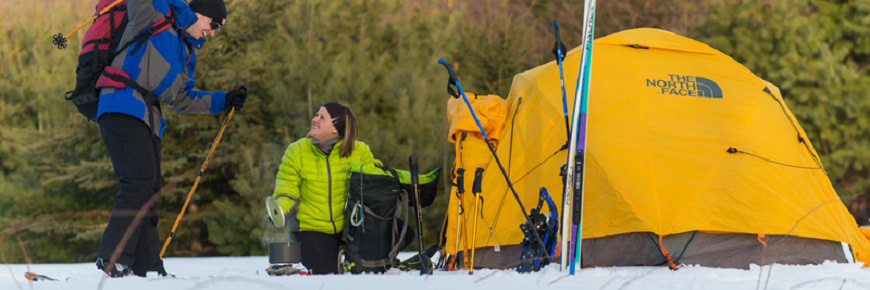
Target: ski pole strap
{"x": 455, "y": 81}
{"x": 559, "y": 48}
{"x": 451, "y": 85}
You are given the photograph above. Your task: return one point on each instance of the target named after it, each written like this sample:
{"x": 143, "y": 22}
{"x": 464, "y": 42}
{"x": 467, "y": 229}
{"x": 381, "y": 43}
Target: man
{"x": 155, "y": 65}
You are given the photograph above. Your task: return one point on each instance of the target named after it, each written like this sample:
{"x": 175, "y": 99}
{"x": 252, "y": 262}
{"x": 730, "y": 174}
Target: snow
{"x": 247, "y": 273}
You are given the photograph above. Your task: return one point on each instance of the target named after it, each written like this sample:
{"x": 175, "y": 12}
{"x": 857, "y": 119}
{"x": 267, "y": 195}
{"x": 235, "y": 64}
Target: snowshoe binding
{"x": 414, "y": 262}
{"x": 119, "y": 270}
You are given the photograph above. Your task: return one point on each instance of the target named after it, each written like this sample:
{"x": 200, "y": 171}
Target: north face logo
{"x": 691, "y": 86}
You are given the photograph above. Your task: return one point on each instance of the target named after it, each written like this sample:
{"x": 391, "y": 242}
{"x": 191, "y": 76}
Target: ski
{"x": 571, "y": 245}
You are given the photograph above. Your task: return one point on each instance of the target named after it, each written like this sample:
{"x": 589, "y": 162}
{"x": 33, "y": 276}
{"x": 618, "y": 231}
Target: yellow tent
{"x": 683, "y": 143}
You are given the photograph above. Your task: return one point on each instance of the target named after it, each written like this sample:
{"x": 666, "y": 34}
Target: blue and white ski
{"x": 571, "y": 244}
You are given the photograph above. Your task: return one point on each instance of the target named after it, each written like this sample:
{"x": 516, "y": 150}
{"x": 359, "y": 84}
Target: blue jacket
{"x": 164, "y": 65}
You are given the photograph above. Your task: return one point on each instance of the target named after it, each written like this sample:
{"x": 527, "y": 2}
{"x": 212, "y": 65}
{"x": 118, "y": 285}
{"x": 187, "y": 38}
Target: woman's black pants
{"x": 320, "y": 251}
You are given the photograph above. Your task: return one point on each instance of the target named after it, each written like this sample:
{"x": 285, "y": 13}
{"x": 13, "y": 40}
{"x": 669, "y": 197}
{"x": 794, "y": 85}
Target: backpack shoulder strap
{"x": 146, "y": 94}
{"x": 397, "y": 244}
{"x": 167, "y": 22}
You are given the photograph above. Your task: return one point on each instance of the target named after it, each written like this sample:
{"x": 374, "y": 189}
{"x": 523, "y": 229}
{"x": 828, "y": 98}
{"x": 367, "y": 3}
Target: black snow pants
{"x": 320, "y": 251}
{"x": 135, "y": 154}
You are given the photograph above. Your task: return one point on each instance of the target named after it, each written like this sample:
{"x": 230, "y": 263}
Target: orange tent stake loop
{"x": 671, "y": 264}
{"x": 761, "y": 240}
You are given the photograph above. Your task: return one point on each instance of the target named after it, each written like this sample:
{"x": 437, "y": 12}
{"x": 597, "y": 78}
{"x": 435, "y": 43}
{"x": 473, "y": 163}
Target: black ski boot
{"x": 159, "y": 269}
{"x": 119, "y": 270}
{"x": 162, "y": 272}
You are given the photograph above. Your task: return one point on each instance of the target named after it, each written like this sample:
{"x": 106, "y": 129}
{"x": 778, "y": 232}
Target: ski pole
{"x": 199, "y": 176}
{"x": 425, "y": 262}
{"x": 559, "y": 51}
{"x": 455, "y": 82}
{"x": 460, "y": 189}
{"x": 475, "y": 191}
{"x": 59, "y": 40}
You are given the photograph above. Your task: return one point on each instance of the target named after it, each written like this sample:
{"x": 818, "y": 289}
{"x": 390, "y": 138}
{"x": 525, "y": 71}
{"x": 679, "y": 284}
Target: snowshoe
{"x": 285, "y": 270}
{"x": 413, "y": 263}
{"x": 119, "y": 270}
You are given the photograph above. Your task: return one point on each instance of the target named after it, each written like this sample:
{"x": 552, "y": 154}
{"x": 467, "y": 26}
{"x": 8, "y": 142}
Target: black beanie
{"x": 211, "y": 8}
{"x": 338, "y": 112}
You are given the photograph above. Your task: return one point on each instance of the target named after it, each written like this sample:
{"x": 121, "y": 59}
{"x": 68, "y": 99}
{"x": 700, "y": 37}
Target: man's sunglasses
{"x": 216, "y": 26}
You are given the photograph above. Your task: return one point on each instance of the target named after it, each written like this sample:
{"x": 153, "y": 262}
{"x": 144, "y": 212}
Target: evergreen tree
{"x": 816, "y": 52}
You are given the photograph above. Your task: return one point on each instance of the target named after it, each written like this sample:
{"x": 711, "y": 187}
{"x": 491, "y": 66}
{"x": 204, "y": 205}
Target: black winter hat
{"x": 338, "y": 112}
{"x": 211, "y": 8}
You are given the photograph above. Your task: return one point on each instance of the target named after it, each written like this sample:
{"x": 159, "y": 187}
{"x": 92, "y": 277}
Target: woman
{"x": 311, "y": 185}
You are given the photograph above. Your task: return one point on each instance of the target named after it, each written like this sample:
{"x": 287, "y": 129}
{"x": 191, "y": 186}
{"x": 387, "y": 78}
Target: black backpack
{"x": 374, "y": 233}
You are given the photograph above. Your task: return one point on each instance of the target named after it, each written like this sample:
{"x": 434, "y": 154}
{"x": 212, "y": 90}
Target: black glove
{"x": 236, "y": 98}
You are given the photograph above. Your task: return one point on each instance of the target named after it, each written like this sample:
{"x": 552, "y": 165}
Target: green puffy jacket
{"x": 318, "y": 183}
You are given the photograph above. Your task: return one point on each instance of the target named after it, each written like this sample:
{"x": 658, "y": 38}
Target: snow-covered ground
{"x": 247, "y": 273}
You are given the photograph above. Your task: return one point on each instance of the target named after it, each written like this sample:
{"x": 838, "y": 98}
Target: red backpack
{"x": 98, "y": 51}
{"x": 99, "y": 48}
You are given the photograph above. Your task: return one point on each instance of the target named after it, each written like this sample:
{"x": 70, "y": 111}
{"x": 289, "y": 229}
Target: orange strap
{"x": 671, "y": 264}
{"x": 761, "y": 240}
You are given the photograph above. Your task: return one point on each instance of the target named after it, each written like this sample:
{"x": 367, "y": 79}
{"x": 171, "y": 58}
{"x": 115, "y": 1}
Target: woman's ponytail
{"x": 350, "y": 134}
